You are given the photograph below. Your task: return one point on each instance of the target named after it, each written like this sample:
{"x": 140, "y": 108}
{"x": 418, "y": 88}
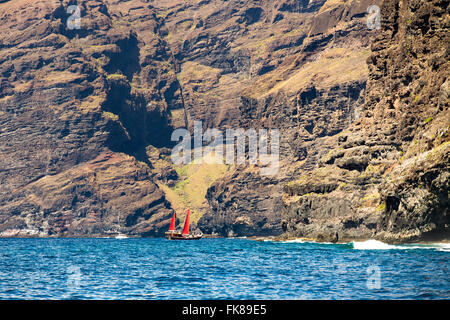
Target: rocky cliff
{"x": 86, "y": 117}
{"x": 388, "y": 175}
{"x": 77, "y": 109}
{"x": 314, "y": 92}
{"x": 367, "y": 153}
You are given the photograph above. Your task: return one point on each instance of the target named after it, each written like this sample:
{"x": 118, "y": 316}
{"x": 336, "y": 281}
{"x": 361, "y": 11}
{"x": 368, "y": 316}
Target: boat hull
{"x": 179, "y": 236}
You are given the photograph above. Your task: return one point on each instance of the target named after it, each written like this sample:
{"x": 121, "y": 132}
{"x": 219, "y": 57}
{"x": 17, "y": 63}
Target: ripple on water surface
{"x": 220, "y": 269}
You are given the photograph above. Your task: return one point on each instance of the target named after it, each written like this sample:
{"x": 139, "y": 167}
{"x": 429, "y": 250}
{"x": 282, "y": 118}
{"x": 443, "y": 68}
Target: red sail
{"x": 172, "y": 223}
{"x": 186, "y": 225}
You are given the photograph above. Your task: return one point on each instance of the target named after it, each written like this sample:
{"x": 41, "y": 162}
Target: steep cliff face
{"x": 86, "y": 117}
{"x": 415, "y": 192}
{"x": 388, "y": 176}
{"x": 223, "y": 46}
{"x": 313, "y": 93}
{"x": 77, "y": 108}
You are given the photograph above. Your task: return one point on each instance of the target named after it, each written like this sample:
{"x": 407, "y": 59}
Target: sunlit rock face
{"x": 388, "y": 175}
{"x": 86, "y": 116}
{"x": 77, "y": 109}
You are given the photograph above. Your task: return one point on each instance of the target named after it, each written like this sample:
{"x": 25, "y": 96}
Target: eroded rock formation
{"x": 388, "y": 176}
{"x": 86, "y": 116}
{"x": 71, "y": 97}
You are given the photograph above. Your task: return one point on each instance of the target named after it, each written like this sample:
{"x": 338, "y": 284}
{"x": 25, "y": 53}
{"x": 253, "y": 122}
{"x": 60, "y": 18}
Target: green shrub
{"x": 110, "y": 115}
{"x": 116, "y": 77}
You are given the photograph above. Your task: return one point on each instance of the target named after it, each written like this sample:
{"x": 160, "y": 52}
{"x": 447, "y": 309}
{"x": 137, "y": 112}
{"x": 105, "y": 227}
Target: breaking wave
{"x": 371, "y": 245}
{"x": 378, "y": 245}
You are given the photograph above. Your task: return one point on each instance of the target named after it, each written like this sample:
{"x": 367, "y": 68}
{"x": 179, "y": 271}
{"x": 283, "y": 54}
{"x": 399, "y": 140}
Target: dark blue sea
{"x": 220, "y": 269}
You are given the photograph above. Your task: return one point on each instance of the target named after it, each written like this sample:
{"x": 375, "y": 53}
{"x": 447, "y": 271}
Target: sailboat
{"x": 173, "y": 234}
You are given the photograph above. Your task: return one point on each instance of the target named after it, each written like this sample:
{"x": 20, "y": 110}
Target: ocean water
{"x": 220, "y": 269}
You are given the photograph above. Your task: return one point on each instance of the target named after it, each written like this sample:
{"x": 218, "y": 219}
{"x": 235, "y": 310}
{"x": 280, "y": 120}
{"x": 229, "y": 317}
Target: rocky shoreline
{"x": 16, "y": 234}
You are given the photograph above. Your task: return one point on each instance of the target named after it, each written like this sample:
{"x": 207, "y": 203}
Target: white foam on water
{"x": 375, "y": 245}
{"x": 283, "y": 241}
{"x": 378, "y": 245}
{"x": 445, "y": 247}
{"x": 300, "y": 240}
{"x": 293, "y": 241}
{"x": 371, "y": 245}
